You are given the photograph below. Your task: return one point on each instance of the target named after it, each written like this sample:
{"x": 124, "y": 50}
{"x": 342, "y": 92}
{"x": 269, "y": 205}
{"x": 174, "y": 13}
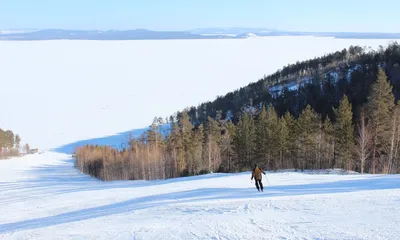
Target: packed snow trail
{"x": 43, "y": 196}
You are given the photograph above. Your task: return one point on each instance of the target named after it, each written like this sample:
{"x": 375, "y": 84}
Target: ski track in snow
{"x": 43, "y": 196}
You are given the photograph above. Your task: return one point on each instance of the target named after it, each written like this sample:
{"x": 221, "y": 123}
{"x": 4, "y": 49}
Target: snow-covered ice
{"x": 43, "y": 196}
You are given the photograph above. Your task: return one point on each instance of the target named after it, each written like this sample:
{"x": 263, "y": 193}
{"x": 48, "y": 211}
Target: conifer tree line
{"x": 351, "y": 122}
{"x": 9, "y": 144}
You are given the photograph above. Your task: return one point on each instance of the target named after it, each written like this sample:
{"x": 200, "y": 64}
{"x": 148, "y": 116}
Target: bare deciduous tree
{"x": 364, "y": 141}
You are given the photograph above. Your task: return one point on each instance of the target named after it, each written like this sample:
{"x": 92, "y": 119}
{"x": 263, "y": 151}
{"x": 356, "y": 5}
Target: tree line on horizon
{"x": 9, "y": 144}
{"x": 351, "y": 122}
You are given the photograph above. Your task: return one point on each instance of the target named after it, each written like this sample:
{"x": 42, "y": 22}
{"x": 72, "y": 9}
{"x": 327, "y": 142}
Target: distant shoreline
{"x": 139, "y": 34}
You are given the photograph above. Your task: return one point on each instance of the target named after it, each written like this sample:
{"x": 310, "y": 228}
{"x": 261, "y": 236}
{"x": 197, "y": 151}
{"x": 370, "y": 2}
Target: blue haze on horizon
{"x": 290, "y": 15}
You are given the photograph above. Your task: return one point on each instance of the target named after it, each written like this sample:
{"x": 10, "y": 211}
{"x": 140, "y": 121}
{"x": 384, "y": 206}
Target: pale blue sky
{"x": 302, "y": 15}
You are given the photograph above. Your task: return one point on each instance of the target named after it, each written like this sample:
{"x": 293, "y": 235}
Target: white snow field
{"x": 43, "y": 196}
{"x": 76, "y": 90}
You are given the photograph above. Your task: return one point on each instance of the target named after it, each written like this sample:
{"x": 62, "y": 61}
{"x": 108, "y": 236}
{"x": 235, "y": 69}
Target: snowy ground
{"x": 43, "y": 197}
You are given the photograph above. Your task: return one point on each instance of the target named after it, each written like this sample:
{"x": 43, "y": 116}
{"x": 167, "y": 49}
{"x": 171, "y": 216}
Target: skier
{"x": 256, "y": 174}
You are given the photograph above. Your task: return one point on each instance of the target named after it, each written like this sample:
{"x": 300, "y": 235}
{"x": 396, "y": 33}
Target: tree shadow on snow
{"x": 204, "y": 194}
{"x": 64, "y": 178}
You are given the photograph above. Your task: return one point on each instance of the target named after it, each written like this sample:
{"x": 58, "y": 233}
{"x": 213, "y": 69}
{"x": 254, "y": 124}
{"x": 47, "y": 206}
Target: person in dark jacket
{"x": 256, "y": 174}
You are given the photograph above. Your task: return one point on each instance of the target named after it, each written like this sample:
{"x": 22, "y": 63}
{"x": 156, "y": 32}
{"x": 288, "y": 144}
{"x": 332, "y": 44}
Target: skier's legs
{"x": 261, "y": 185}
{"x": 258, "y": 188}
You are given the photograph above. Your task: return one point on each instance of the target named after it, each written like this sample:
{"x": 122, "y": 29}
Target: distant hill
{"x": 231, "y": 31}
{"x": 137, "y": 34}
{"x": 144, "y": 34}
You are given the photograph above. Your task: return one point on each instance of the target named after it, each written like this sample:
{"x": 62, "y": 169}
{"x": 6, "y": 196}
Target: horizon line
{"x": 189, "y": 30}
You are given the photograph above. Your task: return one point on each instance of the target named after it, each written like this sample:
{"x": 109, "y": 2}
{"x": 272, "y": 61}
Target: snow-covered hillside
{"x": 67, "y": 91}
{"x": 43, "y": 197}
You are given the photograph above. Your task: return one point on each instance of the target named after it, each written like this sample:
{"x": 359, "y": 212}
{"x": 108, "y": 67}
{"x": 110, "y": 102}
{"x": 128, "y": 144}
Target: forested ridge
{"x": 345, "y": 116}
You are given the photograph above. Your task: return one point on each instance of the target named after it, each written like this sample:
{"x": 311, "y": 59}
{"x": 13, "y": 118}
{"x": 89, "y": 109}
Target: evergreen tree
{"x": 175, "y": 148}
{"x": 292, "y": 136}
{"x": 283, "y": 141}
{"x": 262, "y": 137}
{"x": 307, "y": 128}
{"x": 273, "y": 137}
{"x": 154, "y": 141}
{"x": 380, "y": 108}
{"x": 345, "y": 133}
{"x": 9, "y": 143}
{"x": 329, "y": 99}
{"x": 328, "y": 143}
{"x": 227, "y": 149}
{"x": 186, "y": 129}
{"x": 17, "y": 141}
{"x": 244, "y": 141}
{"x": 196, "y": 149}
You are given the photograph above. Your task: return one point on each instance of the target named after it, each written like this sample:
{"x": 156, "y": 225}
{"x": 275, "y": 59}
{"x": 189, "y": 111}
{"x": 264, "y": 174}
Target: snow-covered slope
{"x": 43, "y": 197}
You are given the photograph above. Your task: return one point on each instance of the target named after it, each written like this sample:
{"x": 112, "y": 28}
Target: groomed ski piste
{"x": 42, "y": 196}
